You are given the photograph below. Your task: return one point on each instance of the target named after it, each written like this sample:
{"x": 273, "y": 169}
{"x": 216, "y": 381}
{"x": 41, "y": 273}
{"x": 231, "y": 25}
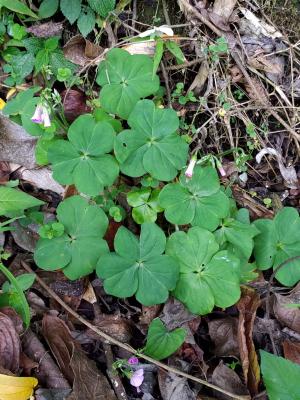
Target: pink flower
{"x": 137, "y": 379}
{"x": 190, "y": 168}
{"x": 222, "y": 171}
{"x": 133, "y": 360}
{"x": 41, "y": 116}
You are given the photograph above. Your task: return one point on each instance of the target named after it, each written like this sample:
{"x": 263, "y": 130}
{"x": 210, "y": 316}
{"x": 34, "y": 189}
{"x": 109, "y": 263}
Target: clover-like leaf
{"x": 208, "y": 277}
{"x": 77, "y": 251}
{"x": 145, "y": 204}
{"x": 125, "y": 79}
{"x": 139, "y": 266}
{"x": 152, "y": 144}
{"x": 278, "y": 241}
{"x": 161, "y": 343}
{"x": 82, "y": 159}
{"x": 238, "y": 235}
{"x": 197, "y": 201}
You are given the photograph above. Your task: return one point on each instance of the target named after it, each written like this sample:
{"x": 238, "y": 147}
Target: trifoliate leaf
{"x": 278, "y": 241}
{"x": 138, "y": 267}
{"x": 125, "y": 79}
{"x": 208, "y": 277}
{"x": 197, "y": 201}
{"x": 77, "y": 251}
{"x": 161, "y": 343}
{"x": 145, "y": 204}
{"x": 152, "y": 144}
{"x": 82, "y": 159}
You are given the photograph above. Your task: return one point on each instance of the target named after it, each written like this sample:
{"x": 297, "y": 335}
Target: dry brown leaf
{"x": 9, "y": 341}
{"x": 227, "y": 378}
{"x": 81, "y": 51}
{"x": 224, "y": 8}
{"x": 41, "y": 178}
{"x": 291, "y": 351}
{"x": 174, "y": 387}
{"x": 200, "y": 78}
{"x": 4, "y": 172}
{"x": 223, "y": 333}
{"x": 114, "y": 325}
{"x": 247, "y": 307}
{"x": 260, "y": 94}
{"x": 47, "y": 372}
{"x": 47, "y": 29}
{"x": 286, "y": 315}
{"x": 88, "y": 382}
{"x": 74, "y": 102}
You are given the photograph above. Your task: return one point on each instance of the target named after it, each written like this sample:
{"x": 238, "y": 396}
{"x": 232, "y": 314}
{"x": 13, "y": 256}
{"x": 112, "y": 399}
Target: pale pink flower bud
{"x": 190, "y": 168}
{"x": 38, "y": 115}
{"x": 137, "y": 379}
{"x": 222, "y": 171}
{"x": 46, "y": 118}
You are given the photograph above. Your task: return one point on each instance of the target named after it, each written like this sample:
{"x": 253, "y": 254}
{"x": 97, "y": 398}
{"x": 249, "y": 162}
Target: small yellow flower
{"x": 222, "y": 112}
{"x": 2, "y": 104}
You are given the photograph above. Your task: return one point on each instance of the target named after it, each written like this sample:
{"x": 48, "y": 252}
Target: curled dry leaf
{"x": 74, "y": 102}
{"x": 40, "y": 178}
{"x": 88, "y": 382}
{"x": 81, "y": 51}
{"x": 283, "y": 310}
{"x": 227, "y": 378}
{"x": 224, "y": 8}
{"x": 47, "y": 372}
{"x": 291, "y": 351}
{"x": 9, "y": 340}
{"x": 247, "y": 307}
{"x": 223, "y": 333}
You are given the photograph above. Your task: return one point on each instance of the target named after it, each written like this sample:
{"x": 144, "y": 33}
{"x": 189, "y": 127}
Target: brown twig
{"x": 109, "y": 339}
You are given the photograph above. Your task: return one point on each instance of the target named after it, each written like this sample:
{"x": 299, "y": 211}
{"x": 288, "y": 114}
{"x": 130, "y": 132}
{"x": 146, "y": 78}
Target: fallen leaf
{"x": 52, "y": 394}
{"x": 288, "y": 316}
{"x": 16, "y": 388}
{"x": 81, "y": 51}
{"x": 41, "y": 178}
{"x": 114, "y": 325}
{"x": 74, "y": 103}
{"x": 47, "y": 372}
{"x": 25, "y": 237}
{"x": 291, "y": 351}
{"x": 4, "y": 172}
{"x": 16, "y": 145}
{"x": 174, "y": 387}
{"x": 227, "y": 378}
{"x": 247, "y": 307}
{"x": 10, "y": 345}
{"x": 47, "y": 29}
{"x": 88, "y": 382}
{"x": 223, "y": 333}
{"x": 224, "y": 8}
{"x": 251, "y": 24}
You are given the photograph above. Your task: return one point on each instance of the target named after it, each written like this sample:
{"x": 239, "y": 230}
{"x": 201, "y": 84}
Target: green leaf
{"x": 161, "y": 343}
{"x": 70, "y": 12}
{"x": 100, "y": 115}
{"x": 139, "y": 267}
{"x": 176, "y": 51}
{"x": 48, "y": 8}
{"x": 102, "y": 7}
{"x": 41, "y": 60}
{"x": 51, "y": 43}
{"x": 197, "y": 201}
{"x": 41, "y": 150}
{"x": 159, "y": 49}
{"x": 86, "y": 21}
{"x": 277, "y": 242}
{"x": 239, "y": 235}
{"x": 17, "y": 105}
{"x": 152, "y": 145}
{"x": 145, "y": 204}
{"x": 208, "y": 277}
{"x": 31, "y": 127}
{"x": 25, "y": 282}
{"x": 18, "y": 7}
{"x": 33, "y": 44}
{"x": 58, "y": 60}
{"x": 281, "y": 377}
{"x": 125, "y": 79}
{"x": 23, "y": 64}
{"x": 82, "y": 160}
{"x": 12, "y": 200}
{"x": 77, "y": 251}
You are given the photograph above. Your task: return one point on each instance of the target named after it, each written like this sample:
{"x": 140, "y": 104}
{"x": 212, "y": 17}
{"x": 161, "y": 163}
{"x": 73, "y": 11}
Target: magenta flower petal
{"x": 133, "y": 360}
{"x": 137, "y": 378}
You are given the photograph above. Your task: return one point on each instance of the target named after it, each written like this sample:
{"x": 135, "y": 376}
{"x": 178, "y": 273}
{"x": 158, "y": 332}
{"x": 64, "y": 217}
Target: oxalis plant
{"x": 192, "y": 241}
